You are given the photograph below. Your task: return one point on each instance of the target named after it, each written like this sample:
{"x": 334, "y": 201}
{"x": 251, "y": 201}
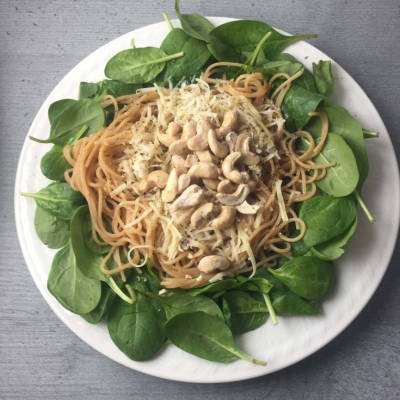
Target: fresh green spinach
{"x": 341, "y": 179}
{"x": 297, "y": 106}
{"x": 69, "y": 286}
{"x": 138, "y": 65}
{"x": 236, "y": 40}
{"x": 326, "y": 217}
{"x": 88, "y": 90}
{"x": 245, "y": 311}
{"x": 323, "y": 77}
{"x": 136, "y": 329}
{"x": 332, "y": 249}
{"x": 58, "y": 199}
{"x": 52, "y": 231}
{"x": 67, "y": 119}
{"x": 102, "y": 309}
{"x": 195, "y": 56}
{"x": 53, "y": 164}
{"x": 194, "y": 25}
{"x": 181, "y": 303}
{"x": 205, "y": 336}
{"x": 286, "y": 303}
{"x": 308, "y": 277}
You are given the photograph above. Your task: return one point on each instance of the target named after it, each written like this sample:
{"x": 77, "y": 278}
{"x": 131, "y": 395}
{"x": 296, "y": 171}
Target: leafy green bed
{"x": 201, "y": 321}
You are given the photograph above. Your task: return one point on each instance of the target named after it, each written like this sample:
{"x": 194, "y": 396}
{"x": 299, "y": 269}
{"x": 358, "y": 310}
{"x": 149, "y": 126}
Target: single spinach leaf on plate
{"x": 83, "y": 229}
{"x": 247, "y": 311}
{"x": 88, "y": 90}
{"x": 138, "y": 65}
{"x": 323, "y": 77}
{"x": 332, "y": 249}
{"x": 326, "y": 217}
{"x": 58, "y": 199}
{"x": 297, "y": 106}
{"x": 69, "y": 286}
{"x": 299, "y": 248}
{"x": 59, "y": 107}
{"x": 194, "y": 25}
{"x": 195, "y": 56}
{"x": 307, "y": 276}
{"x": 53, "y": 164}
{"x": 342, "y": 123}
{"x": 52, "y": 231}
{"x": 215, "y": 287}
{"x": 181, "y": 303}
{"x": 101, "y": 310}
{"x": 71, "y": 118}
{"x": 136, "y": 328}
{"x": 205, "y": 336}
{"x": 117, "y": 88}
{"x": 287, "y": 303}
{"x": 342, "y": 178}
{"x": 104, "y": 87}
{"x": 255, "y": 284}
{"x": 236, "y": 40}
{"x": 87, "y": 260}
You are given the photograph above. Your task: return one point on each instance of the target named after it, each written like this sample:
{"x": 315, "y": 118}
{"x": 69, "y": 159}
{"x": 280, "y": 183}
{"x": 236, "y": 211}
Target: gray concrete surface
{"x": 40, "y": 358}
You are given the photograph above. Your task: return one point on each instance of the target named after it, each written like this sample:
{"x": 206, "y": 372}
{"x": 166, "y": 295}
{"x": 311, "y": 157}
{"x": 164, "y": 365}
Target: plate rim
{"x": 166, "y": 375}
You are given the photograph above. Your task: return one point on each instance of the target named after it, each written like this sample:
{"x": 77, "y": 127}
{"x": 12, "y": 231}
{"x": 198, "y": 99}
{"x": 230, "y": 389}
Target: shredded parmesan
{"x": 281, "y": 203}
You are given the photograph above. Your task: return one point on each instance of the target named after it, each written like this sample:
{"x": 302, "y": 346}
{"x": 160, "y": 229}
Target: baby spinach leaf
{"x": 326, "y": 217}
{"x": 59, "y": 107}
{"x": 88, "y": 90}
{"x": 205, "y": 336}
{"x": 84, "y": 221}
{"x": 117, "y": 88}
{"x": 255, "y": 284}
{"x": 247, "y": 311}
{"x": 308, "y": 277}
{"x": 323, "y": 77}
{"x": 104, "y": 87}
{"x": 342, "y": 123}
{"x": 258, "y": 53}
{"x": 138, "y": 65}
{"x": 236, "y": 40}
{"x": 215, "y": 287}
{"x": 194, "y": 25}
{"x": 297, "y": 106}
{"x": 101, "y": 310}
{"x": 53, "y": 164}
{"x": 332, "y": 249}
{"x": 184, "y": 303}
{"x": 58, "y": 199}
{"x": 69, "y": 118}
{"x": 87, "y": 260}
{"x": 331, "y": 254}
{"x": 342, "y": 178}
{"x": 52, "y": 231}
{"x": 284, "y": 301}
{"x": 299, "y": 248}
{"x": 69, "y": 286}
{"x": 136, "y": 329}
{"x": 196, "y": 54}
{"x": 287, "y": 303}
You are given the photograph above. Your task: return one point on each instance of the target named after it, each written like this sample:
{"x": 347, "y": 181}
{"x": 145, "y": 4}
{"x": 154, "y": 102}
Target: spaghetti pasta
{"x": 138, "y": 225}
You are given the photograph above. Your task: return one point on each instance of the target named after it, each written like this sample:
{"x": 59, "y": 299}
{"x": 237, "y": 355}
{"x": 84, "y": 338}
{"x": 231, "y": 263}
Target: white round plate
{"x": 358, "y": 273}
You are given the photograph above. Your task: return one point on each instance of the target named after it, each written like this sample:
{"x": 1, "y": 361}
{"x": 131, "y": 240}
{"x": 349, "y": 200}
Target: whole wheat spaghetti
{"x": 136, "y": 216}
